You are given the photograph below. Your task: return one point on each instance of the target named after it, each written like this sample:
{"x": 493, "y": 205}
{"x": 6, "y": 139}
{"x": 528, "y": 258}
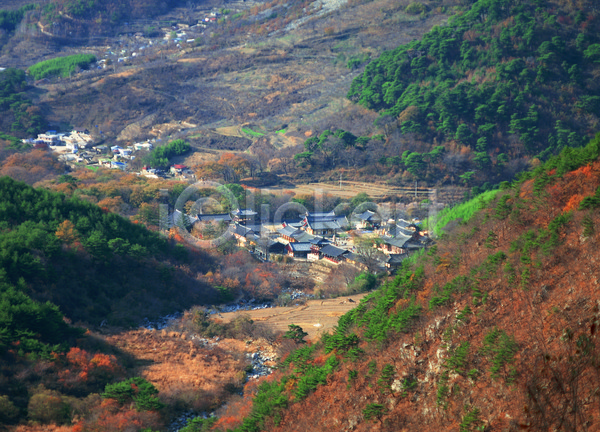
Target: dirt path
{"x": 315, "y": 317}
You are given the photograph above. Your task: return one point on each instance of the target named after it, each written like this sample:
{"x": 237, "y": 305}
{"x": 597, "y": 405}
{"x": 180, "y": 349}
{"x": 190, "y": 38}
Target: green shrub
{"x": 501, "y": 349}
{"x": 470, "y": 420}
{"x": 457, "y": 361}
{"x": 137, "y": 390}
{"x": 352, "y": 375}
{"x": 588, "y": 226}
{"x": 199, "y": 424}
{"x": 48, "y": 406}
{"x": 415, "y": 8}
{"x": 386, "y": 377}
{"x": 295, "y": 333}
{"x": 373, "y": 410}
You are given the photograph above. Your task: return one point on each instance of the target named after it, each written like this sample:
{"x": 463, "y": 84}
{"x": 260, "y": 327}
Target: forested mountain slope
{"x": 504, "y": 80}
{"x": 95, "y": 265}
{"x": 494, "y": 328}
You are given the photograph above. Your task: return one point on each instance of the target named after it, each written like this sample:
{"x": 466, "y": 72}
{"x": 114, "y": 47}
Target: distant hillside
{"x": 494, "y": 328}
{"x": 79, "y": 18}
{"x": 504, "y": 80}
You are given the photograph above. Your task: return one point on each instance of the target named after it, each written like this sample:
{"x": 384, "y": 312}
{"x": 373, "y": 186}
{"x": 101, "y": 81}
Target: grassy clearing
{"x": 252, "y": 133}
{"x": 464, "y": 211}
{"x": 61, "y": 66}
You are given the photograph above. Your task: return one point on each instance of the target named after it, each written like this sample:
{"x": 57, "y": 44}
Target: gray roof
{"x": 214, "y": 217}
{"x": 295, "y": 223}
{"x": 370, "y": 216}
{"x": 295, "y": 233}
{"x": 333, "y": 251}
{"x": 321, "y": 214}
{"x": 244, "y": 212}
{"x": 399, "y": 241}
{"x": 300, "y": 247}
{"x": 303, "y": 237}
{"x": 242, "y": 230}
{"x": 271, "y": 244}
{"x": 395, "y": 259}
{"x": 324, "y": 225}
{"x": 404, "y": 224}
{"x": 288, "y": 230}
{"x": 397, "y": 231}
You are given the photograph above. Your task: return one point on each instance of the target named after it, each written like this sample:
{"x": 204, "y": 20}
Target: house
{"x": 298, "y": 249}
{"x": 49, "y": 138}
{"x": 289, "y": 234}
{"x": 244, "y": 235}
{"x": 395, "y": 245}
{"x": 177, "y": 169}
{"x": 321, "y": 225}
{"x": 394, "y": 261}
{"x": 244, "y": 215}
{"x": 142, "y": 146}
{"x": 317, "y": 244}
{"x": 118, "y": 165}
{"x": 368, "y": 220}
{"x": 356, "y": 260}
{"x": 266, "y": 247}
{"x": 333, "y": 254}
{"x": 100, "y": 149}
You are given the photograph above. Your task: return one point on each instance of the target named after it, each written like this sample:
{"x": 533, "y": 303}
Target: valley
{"x": 462, "y": 296}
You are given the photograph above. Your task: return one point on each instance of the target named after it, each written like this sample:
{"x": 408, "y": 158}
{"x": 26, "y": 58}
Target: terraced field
{"x": 315, "y": 317}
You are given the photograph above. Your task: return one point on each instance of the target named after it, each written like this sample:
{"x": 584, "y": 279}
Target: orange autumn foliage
{"x": 109, "y": 416}
{"x": 83, "y": 370}
{"x": 573, "y": 203}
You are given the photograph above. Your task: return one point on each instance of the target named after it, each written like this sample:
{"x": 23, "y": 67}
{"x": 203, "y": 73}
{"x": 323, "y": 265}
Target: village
{"x": 366, "y": 240}
{"x": 77, "y": 149}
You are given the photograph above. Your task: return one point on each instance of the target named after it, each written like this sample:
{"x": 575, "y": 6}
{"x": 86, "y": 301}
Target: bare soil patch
{"x": 125, "y": 73}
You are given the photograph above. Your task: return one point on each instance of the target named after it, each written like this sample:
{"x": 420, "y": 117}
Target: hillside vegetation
{"x": 20, "y": 117}
{"x": 505, "y": 79}
{"x": 95, "y": 265}
{"x": 495, "y": 327}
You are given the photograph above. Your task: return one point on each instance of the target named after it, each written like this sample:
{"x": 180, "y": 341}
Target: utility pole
{"x": 340, "y": 181}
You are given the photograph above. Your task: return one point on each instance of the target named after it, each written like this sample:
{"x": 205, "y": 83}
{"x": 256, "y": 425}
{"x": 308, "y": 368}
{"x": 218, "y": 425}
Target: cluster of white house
{"x": 78, "y": 146}
{"x": 62, "y": 141}
{"x": 319, "y": 236}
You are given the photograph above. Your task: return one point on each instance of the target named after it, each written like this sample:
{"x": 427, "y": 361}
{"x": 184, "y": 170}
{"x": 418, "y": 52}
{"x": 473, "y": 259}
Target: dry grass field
{"x": 182, "y": 369}
{"x": 350, "y": 189}
{"x": 315, "y": 317}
